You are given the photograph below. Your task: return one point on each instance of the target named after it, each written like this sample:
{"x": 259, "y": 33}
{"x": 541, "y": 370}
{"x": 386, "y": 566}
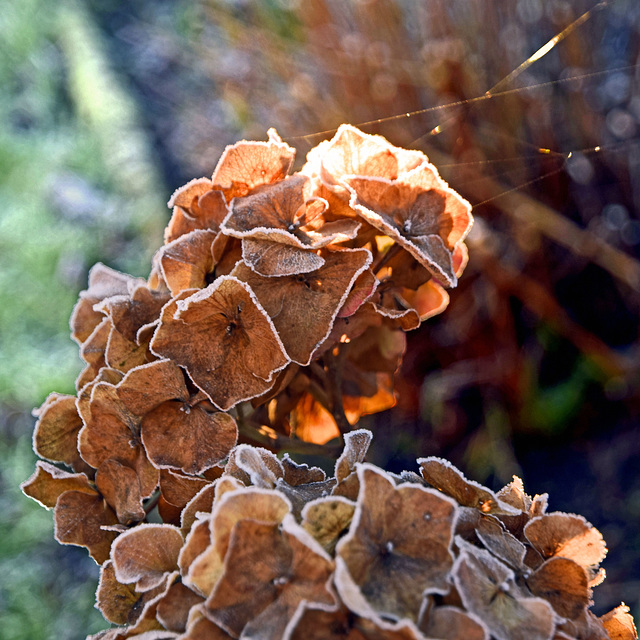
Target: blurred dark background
{"x": 108, "y": 106}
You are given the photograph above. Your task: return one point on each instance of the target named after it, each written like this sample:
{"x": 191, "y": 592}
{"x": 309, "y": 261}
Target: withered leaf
{"x": 296, "y": 474}
{"x": 225, "y": 340}
{"x": 144, "y": 554}
{"x": 398, "y": 546}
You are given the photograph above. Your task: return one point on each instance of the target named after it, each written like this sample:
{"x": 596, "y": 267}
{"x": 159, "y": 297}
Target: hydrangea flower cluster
{"x": 272, "y": 549}
{"x": 275, "y": 312}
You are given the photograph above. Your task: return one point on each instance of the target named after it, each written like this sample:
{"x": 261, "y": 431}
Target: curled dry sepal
{"x": 272, "y": 549}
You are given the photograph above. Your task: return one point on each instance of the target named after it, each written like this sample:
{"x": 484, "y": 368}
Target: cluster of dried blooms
{"x": 277, "y": 308}
{"x": 272, "y": 549}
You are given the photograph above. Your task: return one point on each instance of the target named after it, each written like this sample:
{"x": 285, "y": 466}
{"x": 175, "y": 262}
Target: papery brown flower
{"x": 224, "y": 339}
{"x": 269, "y": 572}
{"x": 488, "y": 590}
{"x": 398, "y": 546}
{"x": 564, "y": 584}
{"x": 352, "y": 152}
{"x": 186, "y": 261}
{"x": 419, "y": 212}
{"x": 260, "y": 505}
{"x": 104, "y": 282}
{"x": 288, "y": 213}
{"x": 328, "y": 519}
{"x": 303, "y": 307}
{"x": 246, "y": 165}
{"x": 196, "y": 205}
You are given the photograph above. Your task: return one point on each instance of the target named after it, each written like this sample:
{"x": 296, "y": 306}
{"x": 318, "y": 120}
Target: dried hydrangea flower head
{"x": 275, "y": 313}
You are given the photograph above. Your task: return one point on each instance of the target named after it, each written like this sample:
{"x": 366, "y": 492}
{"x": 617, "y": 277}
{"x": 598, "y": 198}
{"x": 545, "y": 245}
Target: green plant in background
{"x": 67, "y": 201}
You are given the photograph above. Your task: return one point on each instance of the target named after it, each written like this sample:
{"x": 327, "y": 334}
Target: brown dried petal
{"x": 202, "y": 501}
{"x": 564, "y": 584}
{"x": 130, "y": 312}
{"x": 194, "y": 439}
{"x": 619, "y": 624}
{"x": 451, "y": 623}
{"x": 225, "y": 340}
{"x": 246, "y": 165}
{"x": 488, "y": 591}
{"x": 178, "y": 489}
{"x": 79, "y": 518}
{"x": 331, "y": 623}
{"x": 270, "y": 258}
{"x": 173, "y": 609}
{"x": 356, "y": 445}
{"x": 196, "y": 205}
{"x": 568, "y": 536}
{"x": 419, "y": 212}
{"x": 287, "y": 213}
{"x": 201, "y": 628}
{"x": 296, "y": 474}
{"x": 442, "y": 475}
{"x": 104, "y": 282}
{"x": 120, "y": 487}
{"x": 48, "y": 482}
{"x": 145, "y": 554}
{"x": 501, "y": 543}
{"x": 263, "y": 467}
{"x": 55, "y": 437}
{"x": 117, "y": 602}
{"x": 386, "y": 550}
{"x": 111, "y": 433}
{"x": 123, "y": 354}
